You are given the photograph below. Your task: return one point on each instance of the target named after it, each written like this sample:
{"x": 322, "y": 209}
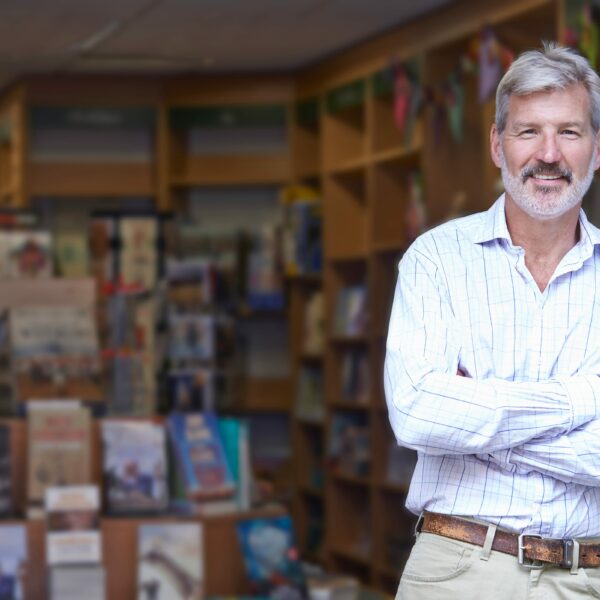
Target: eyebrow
{"x": 530, "y": 124}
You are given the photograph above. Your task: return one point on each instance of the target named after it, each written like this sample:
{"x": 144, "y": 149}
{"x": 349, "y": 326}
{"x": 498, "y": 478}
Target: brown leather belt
{"x": 532, "y": 551}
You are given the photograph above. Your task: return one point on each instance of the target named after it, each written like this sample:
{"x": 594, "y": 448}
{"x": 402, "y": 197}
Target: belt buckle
{"x": 533, "y": 565}
{"x": 570, "y": 551}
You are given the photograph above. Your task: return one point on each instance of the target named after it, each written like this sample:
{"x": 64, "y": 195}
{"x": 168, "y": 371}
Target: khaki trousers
{"x": 443, "y": 569}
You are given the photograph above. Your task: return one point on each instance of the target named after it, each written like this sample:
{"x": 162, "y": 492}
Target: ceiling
{"x": 167, "y": 36}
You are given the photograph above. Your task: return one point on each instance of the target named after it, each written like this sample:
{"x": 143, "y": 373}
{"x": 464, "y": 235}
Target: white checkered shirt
{"x": 517, "y": 441}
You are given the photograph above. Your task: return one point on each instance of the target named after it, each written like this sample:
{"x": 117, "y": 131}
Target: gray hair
{"x": 551, "y": 68}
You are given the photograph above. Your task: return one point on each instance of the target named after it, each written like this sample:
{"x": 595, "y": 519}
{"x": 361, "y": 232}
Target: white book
{"x": 77, "y": 582}
{"x": 72, "y": 534}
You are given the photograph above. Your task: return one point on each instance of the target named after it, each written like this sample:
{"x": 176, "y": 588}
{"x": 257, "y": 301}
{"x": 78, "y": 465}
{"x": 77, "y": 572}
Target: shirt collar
{"x": 494, "y": 224}
{"x": 494, "y": 227}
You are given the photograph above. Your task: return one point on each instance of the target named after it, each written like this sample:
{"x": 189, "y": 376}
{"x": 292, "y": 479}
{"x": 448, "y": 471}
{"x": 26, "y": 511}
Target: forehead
{"x": 567, "y": 105}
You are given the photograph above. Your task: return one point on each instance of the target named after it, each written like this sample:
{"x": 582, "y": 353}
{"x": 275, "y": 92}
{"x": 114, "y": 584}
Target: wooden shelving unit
{"x": 308, "y": 431}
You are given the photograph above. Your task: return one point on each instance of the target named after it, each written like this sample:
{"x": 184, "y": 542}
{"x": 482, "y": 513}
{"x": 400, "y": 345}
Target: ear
{"x": 495, "y": 142}
{"x": 597, "y": 142}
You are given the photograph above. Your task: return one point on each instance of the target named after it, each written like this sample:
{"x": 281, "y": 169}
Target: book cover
{"x": 191, "y": 338}
{"x": 139, "y": 256}
{"x": 351, "y": 311}
{"x": 67, "y": 582}
{"x": 356, "y": 308}
{"x": 310, "y": 403}
{"x": 191, "y": 390}
{"x": 6, "y": 504}
{"x": 355, "y": 376}
{"x": 73, "y": 525}
{"x": 236, "y": 441}
{"x": 314, "y": 324}
{"x": 58, "y": 447}
{"x": 13, "y": 562}
{"x": 200, "y": 455}
{"x": 349, "y": 444}
{"x": 30, "y": 254}
{"x": 55, "y": 353}
{"x": 72, "y": 254}
{"x": 170, "y": 561}
{"x": 190, "y": 283}
{"x": 135, "y": 466}
{"x": 271, "y": 557}
{"x": 5, "y": 271}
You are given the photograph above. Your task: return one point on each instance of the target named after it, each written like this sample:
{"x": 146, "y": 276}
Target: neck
{"x": 545, "y": 241}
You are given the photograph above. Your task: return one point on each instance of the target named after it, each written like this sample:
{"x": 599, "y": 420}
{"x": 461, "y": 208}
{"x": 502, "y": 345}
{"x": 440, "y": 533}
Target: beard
{"x": 546, "y": 202}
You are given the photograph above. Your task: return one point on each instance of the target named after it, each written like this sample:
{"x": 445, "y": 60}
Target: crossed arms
{"x": 551, "y": 426}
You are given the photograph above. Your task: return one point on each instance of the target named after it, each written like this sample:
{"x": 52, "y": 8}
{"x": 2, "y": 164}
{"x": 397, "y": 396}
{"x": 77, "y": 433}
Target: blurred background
{"x": 202, "y": 208}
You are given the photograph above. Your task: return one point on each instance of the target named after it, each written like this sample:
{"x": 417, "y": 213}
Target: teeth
{"x": 547, "y": 176}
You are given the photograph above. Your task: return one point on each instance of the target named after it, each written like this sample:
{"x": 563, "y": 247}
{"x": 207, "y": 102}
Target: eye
{"x": 527, "y": 133}
{"x": 570, "y": 133}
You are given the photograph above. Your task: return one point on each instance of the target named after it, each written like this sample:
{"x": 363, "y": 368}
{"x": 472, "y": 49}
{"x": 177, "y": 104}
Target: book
{"x": 302, "y": 236}
{"x": 73, "y": 525}
{"x": 55, "y": 353}
{"x": 235, "y": 434}
{"x": 349, "y": 444}
{"x": 170, "y": 561}
{"x": 13, "y": 562}
{"x": 264, "y": 279}
{"x": 72, "y": 254}
{"x": 67, "y": 582}
{"x": 135, "y": 466}
{"x": 30, "y": 254}
{"x": 328, "y": 586}
{"x": 191, "y": 338}
{"x": 58, "y": 446}
{"x": 191, "y": 389}
{"x": 351, "y": 311}
{"x": 200, "y": 456}
{"x": 56, "y": 292}
{"x": 6, "y": 504}
{"x": 355, "y": 380}
{"x": 190, "y": 282}
{"x": 310, "y": 403}
{"x": 313, "y": 342}
{"x": 138, "y": 257}
{"x": 271, "y": 557}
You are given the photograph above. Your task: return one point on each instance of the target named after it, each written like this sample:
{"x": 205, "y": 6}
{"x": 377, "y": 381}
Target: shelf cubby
{"x": 344, "y": 125}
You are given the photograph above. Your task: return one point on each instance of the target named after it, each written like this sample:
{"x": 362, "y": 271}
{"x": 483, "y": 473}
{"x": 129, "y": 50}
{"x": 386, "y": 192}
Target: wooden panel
{"x": 263, "y": 394}
{"x": 92, "y": 179}
{"x": 232, "y": 170}
{"x": 93, "y": 89}
{"x": 242, "y": 89}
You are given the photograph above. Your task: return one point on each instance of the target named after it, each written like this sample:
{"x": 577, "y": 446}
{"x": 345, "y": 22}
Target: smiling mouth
{"x": 546, "y": 173}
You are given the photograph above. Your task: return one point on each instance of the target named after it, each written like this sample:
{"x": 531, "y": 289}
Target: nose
{"x": 549, "y": 150}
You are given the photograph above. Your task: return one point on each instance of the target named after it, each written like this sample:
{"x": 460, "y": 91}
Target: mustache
{"x": 550, "y": 169}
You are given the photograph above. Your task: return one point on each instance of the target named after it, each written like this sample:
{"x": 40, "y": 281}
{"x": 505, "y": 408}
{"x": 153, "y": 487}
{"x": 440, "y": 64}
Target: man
{"x": 493, "y": 357}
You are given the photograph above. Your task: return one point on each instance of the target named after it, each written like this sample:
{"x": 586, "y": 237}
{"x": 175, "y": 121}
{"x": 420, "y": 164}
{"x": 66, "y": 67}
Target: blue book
{"x": 200, "y": 455}
{"x": 271, "y": 557}
{"x": 235, "y": 436}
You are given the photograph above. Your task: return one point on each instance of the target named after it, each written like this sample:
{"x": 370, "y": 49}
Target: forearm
{"x": 442, "y": 413}
{"x": 571, "y": 458}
